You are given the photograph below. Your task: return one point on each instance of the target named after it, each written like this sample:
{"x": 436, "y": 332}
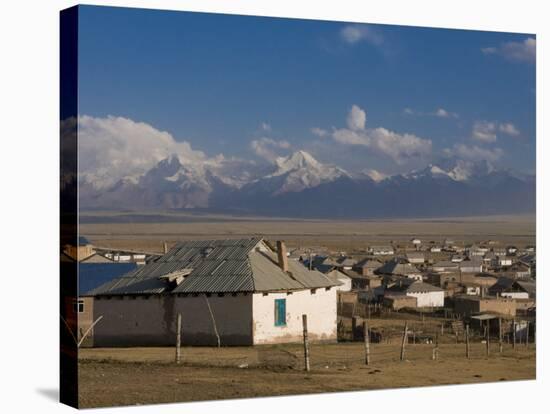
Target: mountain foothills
{"x": 301, "y": 186}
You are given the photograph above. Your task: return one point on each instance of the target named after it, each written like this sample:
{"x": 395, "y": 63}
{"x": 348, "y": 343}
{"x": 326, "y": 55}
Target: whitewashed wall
{"x": 320, "y": 308}
{"x": 515, "y": 295}
{"x": 428, "y": 299}
{"x": 346, "y": 284}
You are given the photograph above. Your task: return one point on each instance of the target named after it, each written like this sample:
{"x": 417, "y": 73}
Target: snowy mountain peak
{"x": 298, "y": 160}
{"x": 300, "y": 171}
{"x": 454, "y": 169}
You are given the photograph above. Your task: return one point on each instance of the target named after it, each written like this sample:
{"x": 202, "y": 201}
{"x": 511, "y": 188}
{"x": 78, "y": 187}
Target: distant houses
{"x": 515, "y": 289}
{"x": 471, "y": 266}
{"x": 400, "y": 267}
{"x": 469, "y": 305}
{"x": 445, "y": 266}
{"x": 415, "y": 257}
{"x": 367, "y": 266}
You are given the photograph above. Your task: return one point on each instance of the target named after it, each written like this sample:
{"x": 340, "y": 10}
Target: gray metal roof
{"x": 414, "y": 287}
{"x": 395, "y": 267}
{"x": 216, "y": 266}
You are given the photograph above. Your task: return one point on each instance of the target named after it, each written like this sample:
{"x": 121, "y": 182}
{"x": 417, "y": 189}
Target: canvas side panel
{"x": 68, "y": 205}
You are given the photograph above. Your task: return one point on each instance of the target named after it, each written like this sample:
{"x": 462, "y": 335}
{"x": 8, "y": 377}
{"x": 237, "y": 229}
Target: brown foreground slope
{"x": 130, "y": 376}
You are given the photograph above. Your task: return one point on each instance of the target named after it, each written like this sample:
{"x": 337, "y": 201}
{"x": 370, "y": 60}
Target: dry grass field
{"x": 133, "y": 376}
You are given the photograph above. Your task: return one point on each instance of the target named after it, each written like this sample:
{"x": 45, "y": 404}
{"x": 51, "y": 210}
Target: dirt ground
{"x": 134, "y": 376}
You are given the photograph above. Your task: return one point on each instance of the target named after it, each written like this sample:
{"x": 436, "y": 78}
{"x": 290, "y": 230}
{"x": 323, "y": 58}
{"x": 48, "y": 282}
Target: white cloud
{"x": 113, "y": 148}
{"x": 475, "y": 153}
{"x": 355, "y": 33}
{"x": 525, "y": 51}
{"x": 442, "y": 113}
{"x": 399, "y": 147}
{"x": 268, "y": 148}
{"x": 439, "y": 112}
{"x": 484, "y": 131}
{"x": 320, "y": 132}
{"x": 357, "y": 118}
{"x": 509, "y": 129}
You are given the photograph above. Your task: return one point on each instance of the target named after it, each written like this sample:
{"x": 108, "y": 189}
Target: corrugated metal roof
{"x": 218, "y": 266}
{"x": 93, "y": 275}
{"x": 395, "y": 267}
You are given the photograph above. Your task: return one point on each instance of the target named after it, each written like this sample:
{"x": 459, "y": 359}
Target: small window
{"x": 280, "y": 312}
{"x": 78, "y": 306}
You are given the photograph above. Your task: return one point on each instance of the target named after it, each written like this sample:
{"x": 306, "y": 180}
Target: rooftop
{"x": 216, "y": 266}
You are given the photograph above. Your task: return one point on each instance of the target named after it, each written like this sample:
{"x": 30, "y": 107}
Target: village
{"x": 253, "y": 304}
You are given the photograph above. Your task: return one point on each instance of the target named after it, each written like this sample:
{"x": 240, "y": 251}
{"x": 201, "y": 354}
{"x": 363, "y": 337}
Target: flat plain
{"x": 148, "y": 231}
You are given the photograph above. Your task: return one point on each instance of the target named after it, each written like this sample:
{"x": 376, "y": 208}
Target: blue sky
{"x": 388, "y": 98}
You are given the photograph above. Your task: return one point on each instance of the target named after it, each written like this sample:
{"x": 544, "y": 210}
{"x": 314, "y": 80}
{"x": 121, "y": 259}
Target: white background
{"x": 29, "y": 73}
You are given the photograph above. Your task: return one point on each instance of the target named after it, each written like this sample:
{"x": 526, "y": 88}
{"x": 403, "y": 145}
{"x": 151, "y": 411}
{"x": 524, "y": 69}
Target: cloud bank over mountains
{"x": 124, "y": 164}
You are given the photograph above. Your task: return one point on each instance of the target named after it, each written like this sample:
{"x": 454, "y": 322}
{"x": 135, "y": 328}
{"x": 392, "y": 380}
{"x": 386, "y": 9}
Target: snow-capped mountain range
{"x": 299, "y": 185}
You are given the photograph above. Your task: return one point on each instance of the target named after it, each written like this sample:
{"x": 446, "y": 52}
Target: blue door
{"x": 280, "y": 312}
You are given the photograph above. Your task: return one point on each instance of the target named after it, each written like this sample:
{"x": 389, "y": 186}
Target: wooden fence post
{"x": 435, "y": 350}
{"x": 402, "y": 357}
{"x": 487, "y": 337}
{"x": 367, "y": 343}
{"x": 468, "y": 341}
{"x": 178, "y": 340}
{"x": 306, "y": 342}
{"x": 514, "y": 334}
{"x": 500, "y": 335}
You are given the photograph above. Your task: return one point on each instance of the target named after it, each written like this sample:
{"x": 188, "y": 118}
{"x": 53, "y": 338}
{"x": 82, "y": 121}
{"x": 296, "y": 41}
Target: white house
{"x": 475, "y": 250}
{"x": 415, "y": 257}
{"x": 381, "y": 250}
{"x": 416, "y": 242}
{"x": 445, "y": 266}
{"x": 471, "y": 266}
{"x": 344, "y": 280}
{"x": 457, "y": 258}
{"x": 427, "y": 296}
{"x": 240, "y": 291}
{"x": 501, "y": 261}
{"x": 345, "y": 263}
{"x": 511, "y": 250}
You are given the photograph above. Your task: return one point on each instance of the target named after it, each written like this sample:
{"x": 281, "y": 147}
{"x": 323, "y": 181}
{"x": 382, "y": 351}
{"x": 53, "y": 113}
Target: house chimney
{"x": 281, "y": 254}
{"x": 165, "y": 247}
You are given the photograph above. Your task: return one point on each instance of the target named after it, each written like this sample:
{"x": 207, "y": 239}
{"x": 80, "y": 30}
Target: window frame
{"x": 78, "y": 306}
